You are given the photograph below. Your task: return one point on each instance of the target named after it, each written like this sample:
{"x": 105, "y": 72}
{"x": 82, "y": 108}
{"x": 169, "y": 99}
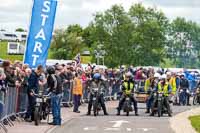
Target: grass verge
{"x": 195, "y": 121}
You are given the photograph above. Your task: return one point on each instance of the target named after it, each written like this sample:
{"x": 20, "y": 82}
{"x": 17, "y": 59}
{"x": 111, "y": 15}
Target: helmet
{"x": 182, "y": 74}
{"x": 128, "y": 74}
{"x": 97, "y": 76}
{"x": 156, "y": 75}
{"x": 51, "y": 70}
{"x": 168, "y": 73}
{"x": 163, "y": 76}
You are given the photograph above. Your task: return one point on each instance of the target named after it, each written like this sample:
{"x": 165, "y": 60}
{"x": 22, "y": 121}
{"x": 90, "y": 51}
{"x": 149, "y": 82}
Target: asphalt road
{"x": 120, "y": 124}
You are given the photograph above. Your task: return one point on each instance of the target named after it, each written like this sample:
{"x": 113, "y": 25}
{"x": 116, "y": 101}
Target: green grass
{"x": 195, "y": 121}
{"x": 5, "y": 56}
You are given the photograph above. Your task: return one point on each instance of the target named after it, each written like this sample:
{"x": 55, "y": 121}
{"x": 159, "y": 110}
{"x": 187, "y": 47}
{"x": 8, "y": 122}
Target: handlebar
{"x": 37, "y": 95}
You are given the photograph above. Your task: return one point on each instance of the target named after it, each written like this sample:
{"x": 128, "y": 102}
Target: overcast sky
{"x": 16, "y": 13}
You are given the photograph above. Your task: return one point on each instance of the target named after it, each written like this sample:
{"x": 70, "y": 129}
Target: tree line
{"x": 140, "y": 36}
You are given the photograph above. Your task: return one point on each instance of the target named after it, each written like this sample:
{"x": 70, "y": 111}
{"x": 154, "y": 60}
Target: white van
{"x": 21, "y": 36}
{"x": 15, "y": 48}
{"x": 6, "y": 36}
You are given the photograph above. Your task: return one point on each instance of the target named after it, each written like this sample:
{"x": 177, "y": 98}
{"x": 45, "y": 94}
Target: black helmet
{"x": 51, "y": 70}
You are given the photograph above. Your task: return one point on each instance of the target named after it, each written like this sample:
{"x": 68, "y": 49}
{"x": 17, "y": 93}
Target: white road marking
{"x": 146, "y": 129}
{"x": 128, "y": 129}
{"x": 90, "y": 128}
{"x": 118, "y": 123}
{"x": 111, "y": 129}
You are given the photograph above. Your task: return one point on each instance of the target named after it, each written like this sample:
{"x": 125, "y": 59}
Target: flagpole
{"x": 30, "y": 16}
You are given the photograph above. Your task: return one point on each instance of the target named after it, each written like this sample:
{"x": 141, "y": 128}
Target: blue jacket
{"x": 33, "y": 82}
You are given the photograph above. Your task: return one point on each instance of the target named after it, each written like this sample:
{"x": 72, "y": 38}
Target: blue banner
{"x": 40, "y": 32}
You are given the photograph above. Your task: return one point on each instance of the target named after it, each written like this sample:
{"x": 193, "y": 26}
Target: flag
{"x": 40, "y": 32}
{"x": 78, "y": 59}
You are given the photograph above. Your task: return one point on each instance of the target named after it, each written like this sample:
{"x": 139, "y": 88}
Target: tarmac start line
{"x": 117, "y": 127}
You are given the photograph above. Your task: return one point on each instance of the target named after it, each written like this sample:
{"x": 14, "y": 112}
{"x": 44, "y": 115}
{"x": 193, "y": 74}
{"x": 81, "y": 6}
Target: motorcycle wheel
{"x": 159, "y": 109}
{"x": 36, "y": 116}
{"x": 195, "y": 100}
{"x": 127, "y": 113}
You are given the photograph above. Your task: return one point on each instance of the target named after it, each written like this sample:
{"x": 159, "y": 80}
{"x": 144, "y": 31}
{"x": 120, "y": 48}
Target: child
{"x": 77, "y": 92}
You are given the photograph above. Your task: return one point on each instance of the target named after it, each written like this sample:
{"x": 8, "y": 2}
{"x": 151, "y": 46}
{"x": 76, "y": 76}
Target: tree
{"x": 67, "y": 43}
{"x": 113, "y": 30}
{"x": 183, "y": 47}
{"x": 149, "y": 36}
{"x": 20, "y": 30}
{"x": 135, "y": 37}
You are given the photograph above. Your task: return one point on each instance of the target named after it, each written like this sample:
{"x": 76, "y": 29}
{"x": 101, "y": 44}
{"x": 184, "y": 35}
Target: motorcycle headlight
{"x": 38, "y": 100}
{"x": 127, "y": 98}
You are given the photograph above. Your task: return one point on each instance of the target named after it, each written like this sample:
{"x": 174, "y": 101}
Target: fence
{"x": 14, "y": 101}
{"x": 112, "y": 89}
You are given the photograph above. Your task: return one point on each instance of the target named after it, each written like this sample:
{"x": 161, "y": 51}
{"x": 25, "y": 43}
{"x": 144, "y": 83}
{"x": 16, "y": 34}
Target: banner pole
{"x": 30, "y": 16}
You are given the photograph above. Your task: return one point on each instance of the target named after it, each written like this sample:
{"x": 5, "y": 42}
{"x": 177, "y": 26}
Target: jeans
{"x": 1, "y": 109}
{"x": 31, "y": 106}
{"x": 77, "y": 99}
{"x": 66, "y": 94}
{"x": 184, "y": 97}
{"x": 150, "y": 101}
{"x": 56, "y": 109}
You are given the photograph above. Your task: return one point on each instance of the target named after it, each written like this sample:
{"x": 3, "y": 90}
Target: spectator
{"x": 33, "y": 86}
{"x": 77, "y": 92}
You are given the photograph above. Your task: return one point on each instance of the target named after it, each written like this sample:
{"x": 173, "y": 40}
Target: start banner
{"x": 40, "y": 32}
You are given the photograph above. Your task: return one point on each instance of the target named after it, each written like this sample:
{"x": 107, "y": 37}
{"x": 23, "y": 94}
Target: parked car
{"x": 21, "y": 36}
{"x": 7, "y": 36}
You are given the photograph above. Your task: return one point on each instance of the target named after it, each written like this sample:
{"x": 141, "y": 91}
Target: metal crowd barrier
{"x": 13, "y": 103}
{"x": 111, "y": 92}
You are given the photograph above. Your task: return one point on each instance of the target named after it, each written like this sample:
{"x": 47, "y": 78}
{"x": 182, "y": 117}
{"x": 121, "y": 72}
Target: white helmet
{"x": 156, "y": 75}
{"x": 183, "y": 74}
{"x": 163, "y": 76}
{"x": 128, "y": 74}
{"x": 168, "y": 73}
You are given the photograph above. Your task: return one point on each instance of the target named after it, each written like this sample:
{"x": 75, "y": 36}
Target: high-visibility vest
{"x": 164, "y": 89}
{"x": 128, "y": 90}
{"x": 78, "y": 88}
{"x": 147, "y": 84}
{"x": 172, "y": 82}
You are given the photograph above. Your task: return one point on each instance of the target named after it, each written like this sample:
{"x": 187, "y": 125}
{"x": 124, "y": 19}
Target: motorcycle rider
{"x": 97, "y": 82}
{"x": 55, "y": 87}
{"x": 150, "y": 84}
{"x": 184, "y": 86}
{"x": 127, "y": 88}
{"x": 165, "y": 87}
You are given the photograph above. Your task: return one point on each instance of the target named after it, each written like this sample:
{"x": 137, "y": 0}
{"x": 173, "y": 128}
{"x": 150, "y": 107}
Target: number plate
{"x": 127, "y": 98}
{"x": 160, "y": 95}
{"x": 45, "y": 99}
{"x": 38, "y": 100}
{"x": 95, "y": 89}
{"x": 94, "y": 98}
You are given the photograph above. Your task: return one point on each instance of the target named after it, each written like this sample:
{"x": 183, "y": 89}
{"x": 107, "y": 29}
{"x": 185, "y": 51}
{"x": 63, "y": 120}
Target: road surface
{"x": 120, "y": 124}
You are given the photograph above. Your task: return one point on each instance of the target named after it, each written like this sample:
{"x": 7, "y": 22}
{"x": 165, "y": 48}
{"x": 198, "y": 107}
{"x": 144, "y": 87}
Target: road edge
{"x": 180, "y": 122}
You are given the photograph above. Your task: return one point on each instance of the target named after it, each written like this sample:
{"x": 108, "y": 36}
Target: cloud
{"x": 16, "y": 13}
